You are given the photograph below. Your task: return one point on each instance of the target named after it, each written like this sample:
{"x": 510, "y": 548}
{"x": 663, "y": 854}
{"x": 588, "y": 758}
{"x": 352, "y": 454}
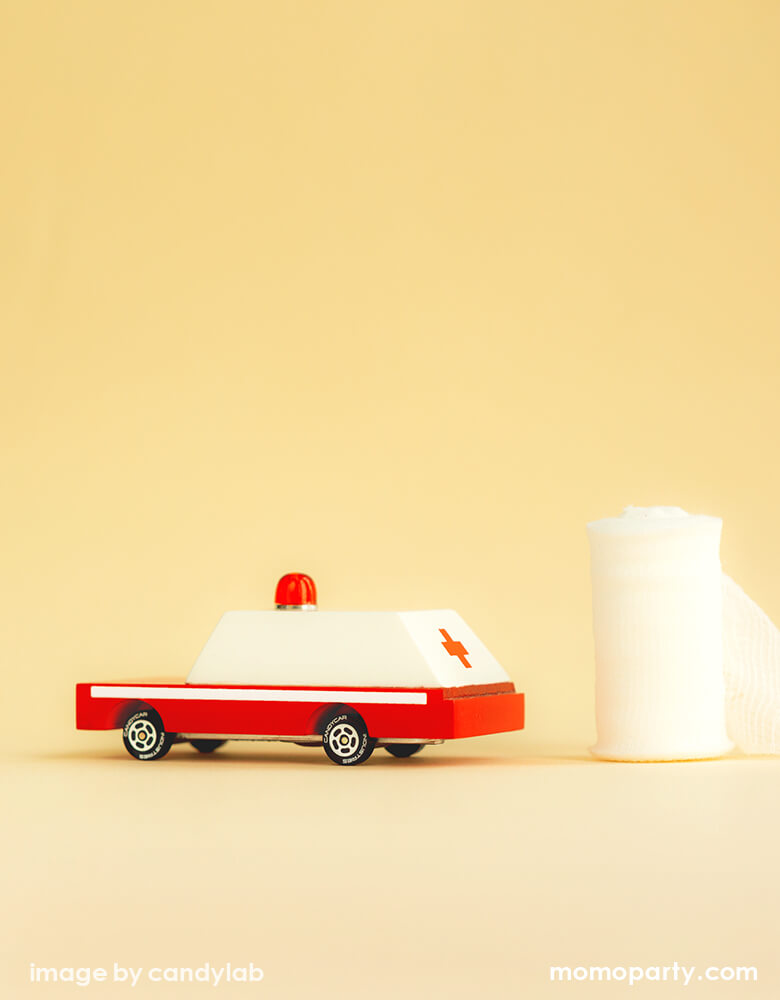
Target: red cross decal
{"x": 455, "y": 648}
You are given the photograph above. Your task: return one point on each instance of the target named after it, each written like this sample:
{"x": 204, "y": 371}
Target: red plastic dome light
{"x": 296, "y": 592}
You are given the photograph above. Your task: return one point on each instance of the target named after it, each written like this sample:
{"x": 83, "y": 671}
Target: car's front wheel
{"x": 345, "y": 738}
{"x": 144, "y": 735}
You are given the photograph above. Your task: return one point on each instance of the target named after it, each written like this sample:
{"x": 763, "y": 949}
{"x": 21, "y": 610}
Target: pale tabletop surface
{"x": 467, "y": 871}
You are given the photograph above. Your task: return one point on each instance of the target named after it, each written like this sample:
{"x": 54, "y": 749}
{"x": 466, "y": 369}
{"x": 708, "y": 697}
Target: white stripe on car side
{"x": 255, "y": 694}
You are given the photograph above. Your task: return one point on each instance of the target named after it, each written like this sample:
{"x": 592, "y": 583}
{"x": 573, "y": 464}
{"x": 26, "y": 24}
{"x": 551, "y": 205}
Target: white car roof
{"x": 355, "y": 648}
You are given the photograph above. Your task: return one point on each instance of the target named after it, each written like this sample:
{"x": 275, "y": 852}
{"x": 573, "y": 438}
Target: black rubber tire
{"x": 345, "y": 737}
{"x": 144, "y": 735}
{"x": 404, "y": 749}
{"x": 207, "y": 746}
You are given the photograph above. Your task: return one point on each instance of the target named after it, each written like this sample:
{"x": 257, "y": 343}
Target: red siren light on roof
{"x": 296, "y": 592}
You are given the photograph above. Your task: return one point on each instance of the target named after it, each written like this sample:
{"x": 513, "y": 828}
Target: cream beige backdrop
{"x": 399, "y": 294}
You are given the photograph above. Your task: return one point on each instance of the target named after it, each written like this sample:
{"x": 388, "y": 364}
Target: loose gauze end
{"x": 685, "y": 661}
{"x": 751, "y": 662}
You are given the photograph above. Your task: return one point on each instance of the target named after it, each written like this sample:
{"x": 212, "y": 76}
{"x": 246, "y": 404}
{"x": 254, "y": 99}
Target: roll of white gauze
{"x": 657, "y": 623}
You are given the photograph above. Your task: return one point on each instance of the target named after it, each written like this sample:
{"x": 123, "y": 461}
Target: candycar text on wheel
{"x": 349, "y": 681}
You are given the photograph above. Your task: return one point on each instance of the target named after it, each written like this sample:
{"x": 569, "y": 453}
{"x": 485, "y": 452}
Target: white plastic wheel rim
{"x": 343, "y": 740}
{"x": 141, "y": 735}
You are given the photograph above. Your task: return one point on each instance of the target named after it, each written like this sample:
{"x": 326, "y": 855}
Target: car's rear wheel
{"x": 345, "y": 738}
{"x": 404, "y": 749}
{"x": 144, "y": 735}
{"x": 207, "y": 746}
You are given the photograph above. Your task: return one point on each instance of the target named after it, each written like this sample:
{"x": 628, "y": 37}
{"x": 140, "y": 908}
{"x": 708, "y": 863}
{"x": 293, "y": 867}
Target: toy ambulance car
{"x": 346, "y": 680}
